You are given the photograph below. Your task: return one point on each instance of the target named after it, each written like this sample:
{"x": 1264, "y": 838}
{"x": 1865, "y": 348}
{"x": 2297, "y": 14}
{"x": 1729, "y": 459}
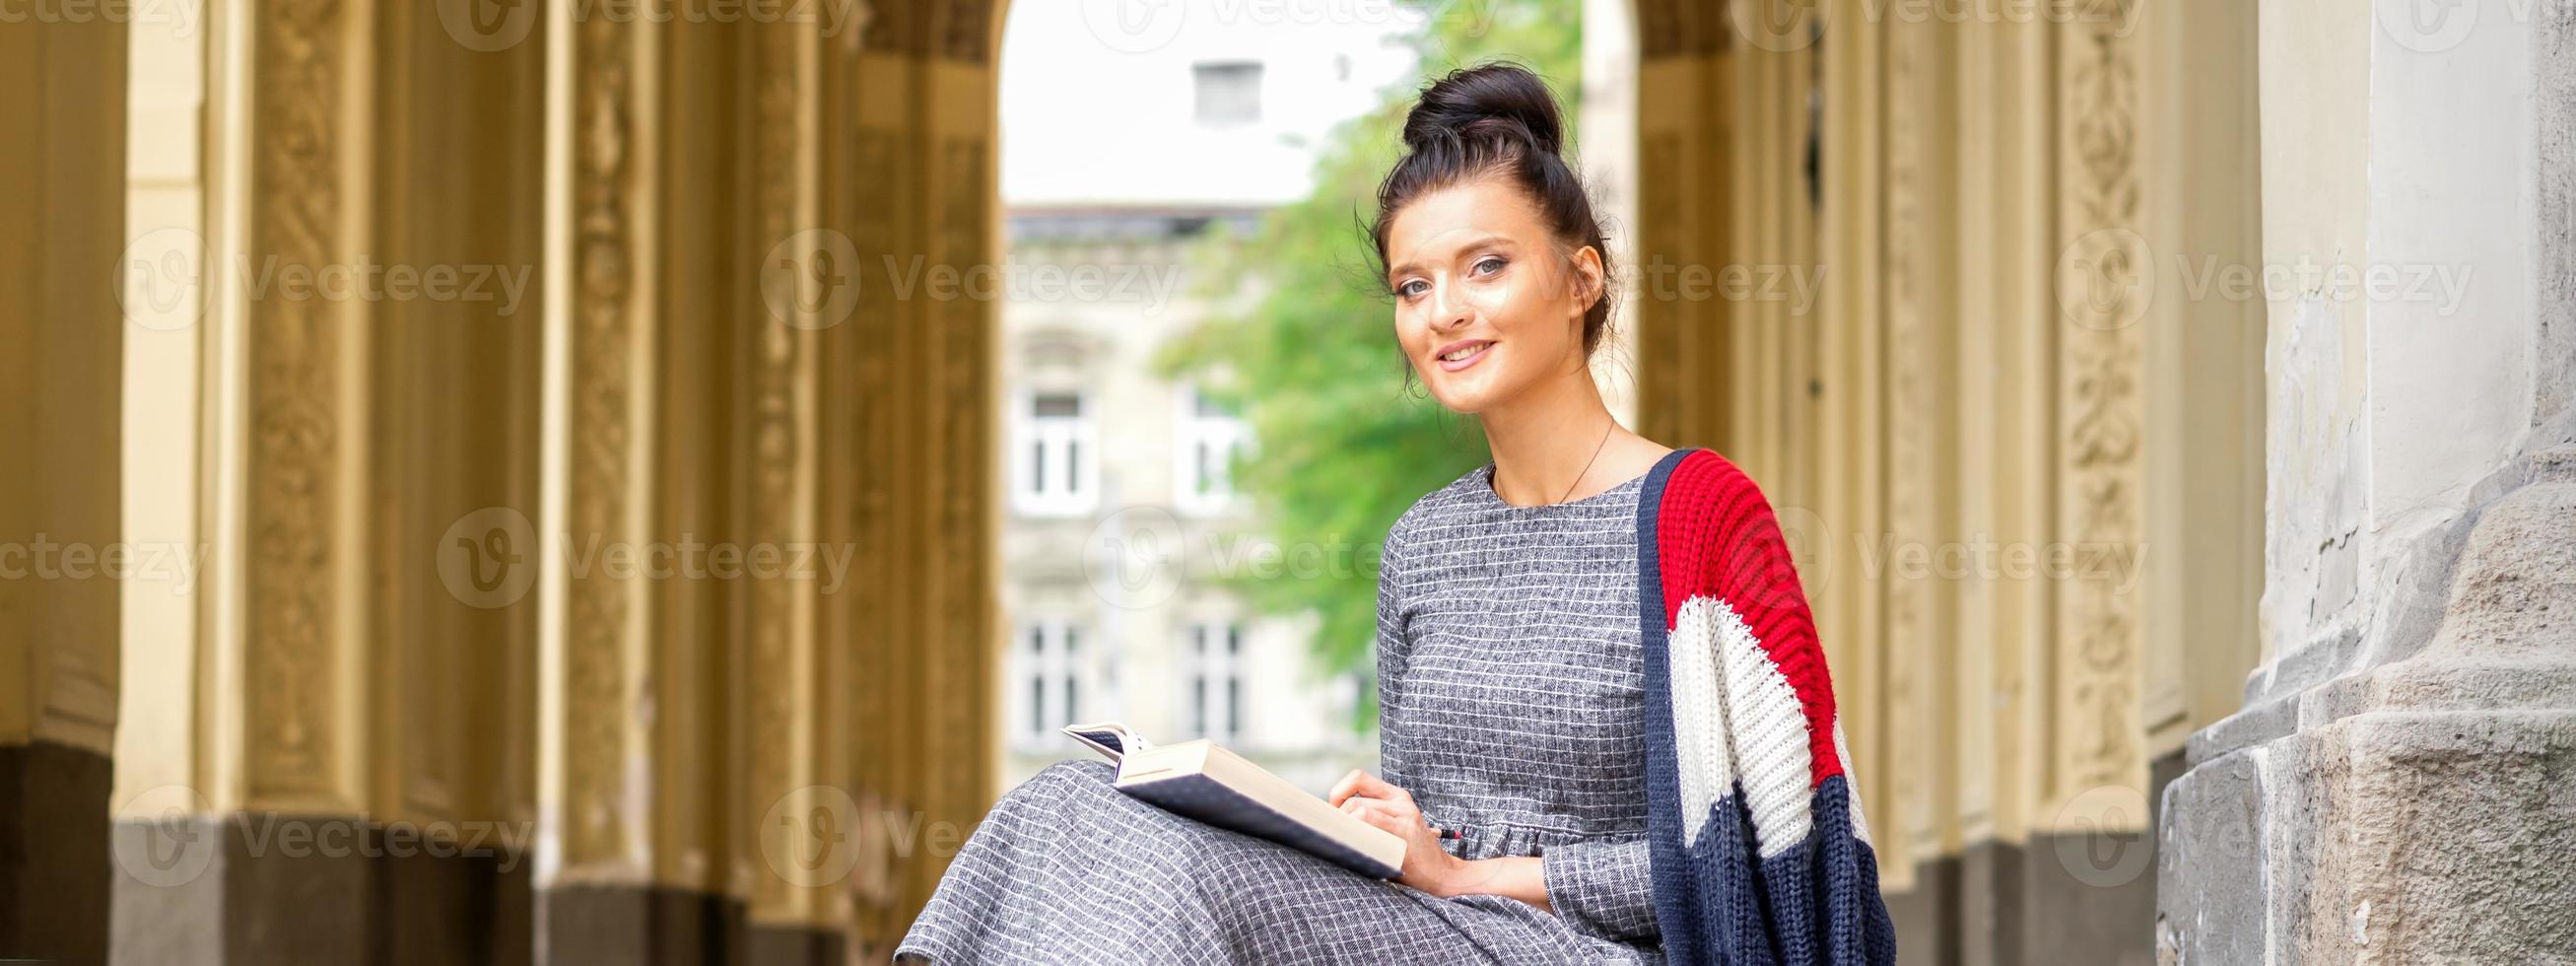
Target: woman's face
{"x": 1485, "y": 304}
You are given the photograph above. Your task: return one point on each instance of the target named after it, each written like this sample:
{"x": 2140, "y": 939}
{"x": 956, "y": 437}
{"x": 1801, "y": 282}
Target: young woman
{"x": 1519, "y": 689}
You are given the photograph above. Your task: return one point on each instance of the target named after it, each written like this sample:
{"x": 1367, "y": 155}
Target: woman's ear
{"x": 1588, "y": 274}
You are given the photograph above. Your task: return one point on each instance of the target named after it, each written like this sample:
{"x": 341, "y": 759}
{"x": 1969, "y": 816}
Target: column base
{"x": 2060, "y": 898}
{"x": 784, "y": 945}
{"x": 54, "y": 890}
{"x": 639, "y": 924}
{"x": 264, "y": 887}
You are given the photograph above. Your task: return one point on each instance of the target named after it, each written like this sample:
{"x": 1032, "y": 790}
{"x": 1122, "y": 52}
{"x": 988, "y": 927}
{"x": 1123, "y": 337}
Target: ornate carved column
{"x": 797, "y": 811}
{"x": 918, "y": 150}
{"x": 59, "y": 514}
{"x": 2403, "y": 752}
{"x": 342, "y": 376}
{"x": 597, "y": 764}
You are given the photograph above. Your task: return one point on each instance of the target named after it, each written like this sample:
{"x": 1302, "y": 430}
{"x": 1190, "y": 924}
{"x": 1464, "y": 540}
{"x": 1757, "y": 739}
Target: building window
{"x": 1212, "y": 680}
{"x": 1208, "y": 439}
{"x": 1057, "y": 465}
{"x": 1050, "y": 676}
{"x": 1228, "y": 92}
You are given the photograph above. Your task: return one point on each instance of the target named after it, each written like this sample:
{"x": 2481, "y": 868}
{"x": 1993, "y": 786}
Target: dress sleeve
{"x": 1605, "y": 888}
{"x": 1392, "y": 644}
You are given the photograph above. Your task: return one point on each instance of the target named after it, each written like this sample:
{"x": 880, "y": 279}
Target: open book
{"x": 1202, "y": 780}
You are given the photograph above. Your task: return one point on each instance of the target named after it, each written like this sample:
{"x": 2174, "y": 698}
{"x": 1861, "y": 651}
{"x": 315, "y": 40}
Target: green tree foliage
{"x": 1345, "y": 443}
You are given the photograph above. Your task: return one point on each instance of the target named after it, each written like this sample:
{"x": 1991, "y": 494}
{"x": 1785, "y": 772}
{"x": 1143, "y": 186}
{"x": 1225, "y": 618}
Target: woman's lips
{"x": 1475, "y": 353}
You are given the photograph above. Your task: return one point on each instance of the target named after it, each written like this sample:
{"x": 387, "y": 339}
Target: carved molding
{"x": 778, "y": 458}
{"x": 960, "y": 455}
{"x": 602, "y": 438}
{"x": 1913, "y": 431}
{"x": 294, "y": 350}
{"x": 2099, "y": 629}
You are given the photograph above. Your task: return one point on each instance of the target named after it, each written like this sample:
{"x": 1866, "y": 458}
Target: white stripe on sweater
{"x": 1737, "y": 721}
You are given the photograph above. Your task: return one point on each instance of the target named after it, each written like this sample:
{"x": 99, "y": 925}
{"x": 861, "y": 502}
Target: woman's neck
{"x": 1544, "y": 439}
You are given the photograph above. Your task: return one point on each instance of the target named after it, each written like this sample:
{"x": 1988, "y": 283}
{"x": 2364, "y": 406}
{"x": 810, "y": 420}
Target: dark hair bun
{"x": 1497, "y": 121}
{"x": 1483, "y": 103}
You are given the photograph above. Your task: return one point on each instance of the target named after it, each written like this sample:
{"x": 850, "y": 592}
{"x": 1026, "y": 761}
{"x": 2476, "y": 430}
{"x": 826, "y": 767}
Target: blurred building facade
{"x": 2170, "y": 623}
{"x": 1123, "y": 521}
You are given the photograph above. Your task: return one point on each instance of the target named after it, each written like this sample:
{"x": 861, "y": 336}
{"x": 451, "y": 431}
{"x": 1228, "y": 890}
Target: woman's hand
{"x": 1427, "y": 866}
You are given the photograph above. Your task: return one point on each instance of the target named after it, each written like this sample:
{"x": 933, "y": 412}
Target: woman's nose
{"x": 1448, "y": 311}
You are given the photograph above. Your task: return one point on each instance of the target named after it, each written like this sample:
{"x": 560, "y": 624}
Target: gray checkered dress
{"x": 1512, "y": 686}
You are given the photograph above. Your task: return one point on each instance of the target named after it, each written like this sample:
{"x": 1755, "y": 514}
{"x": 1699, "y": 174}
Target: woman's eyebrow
{"x": 1470, "y": 248}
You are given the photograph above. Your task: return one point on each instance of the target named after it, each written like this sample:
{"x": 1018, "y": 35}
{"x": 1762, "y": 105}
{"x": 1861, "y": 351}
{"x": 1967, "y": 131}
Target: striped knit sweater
{"x": 1758, "y": 847}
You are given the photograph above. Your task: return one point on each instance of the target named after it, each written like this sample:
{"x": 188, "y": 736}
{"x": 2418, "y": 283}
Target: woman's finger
{"x": 1345, "y": 788}
{"x": 1363, "y": 783}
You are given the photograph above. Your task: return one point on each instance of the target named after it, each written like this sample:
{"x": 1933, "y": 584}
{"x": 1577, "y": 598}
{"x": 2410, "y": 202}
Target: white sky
{"x": 1097, "y": 96}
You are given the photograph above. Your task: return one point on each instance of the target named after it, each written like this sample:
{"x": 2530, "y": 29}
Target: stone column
{"x": 61, "y": 550}
{"x": 2395, "y": 789}
{"x": 614, "y": 870}
{"x": 1681, "y": 192}
{"x": 340, "y": 375}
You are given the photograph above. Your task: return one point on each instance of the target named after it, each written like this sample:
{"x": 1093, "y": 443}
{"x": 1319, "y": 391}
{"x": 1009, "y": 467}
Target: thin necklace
{"x": 1587, "y": 464}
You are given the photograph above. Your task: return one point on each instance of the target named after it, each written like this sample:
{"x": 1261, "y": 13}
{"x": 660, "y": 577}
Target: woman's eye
{"x": 1488, "y": 266}
{"x": 1410, "y": 288}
